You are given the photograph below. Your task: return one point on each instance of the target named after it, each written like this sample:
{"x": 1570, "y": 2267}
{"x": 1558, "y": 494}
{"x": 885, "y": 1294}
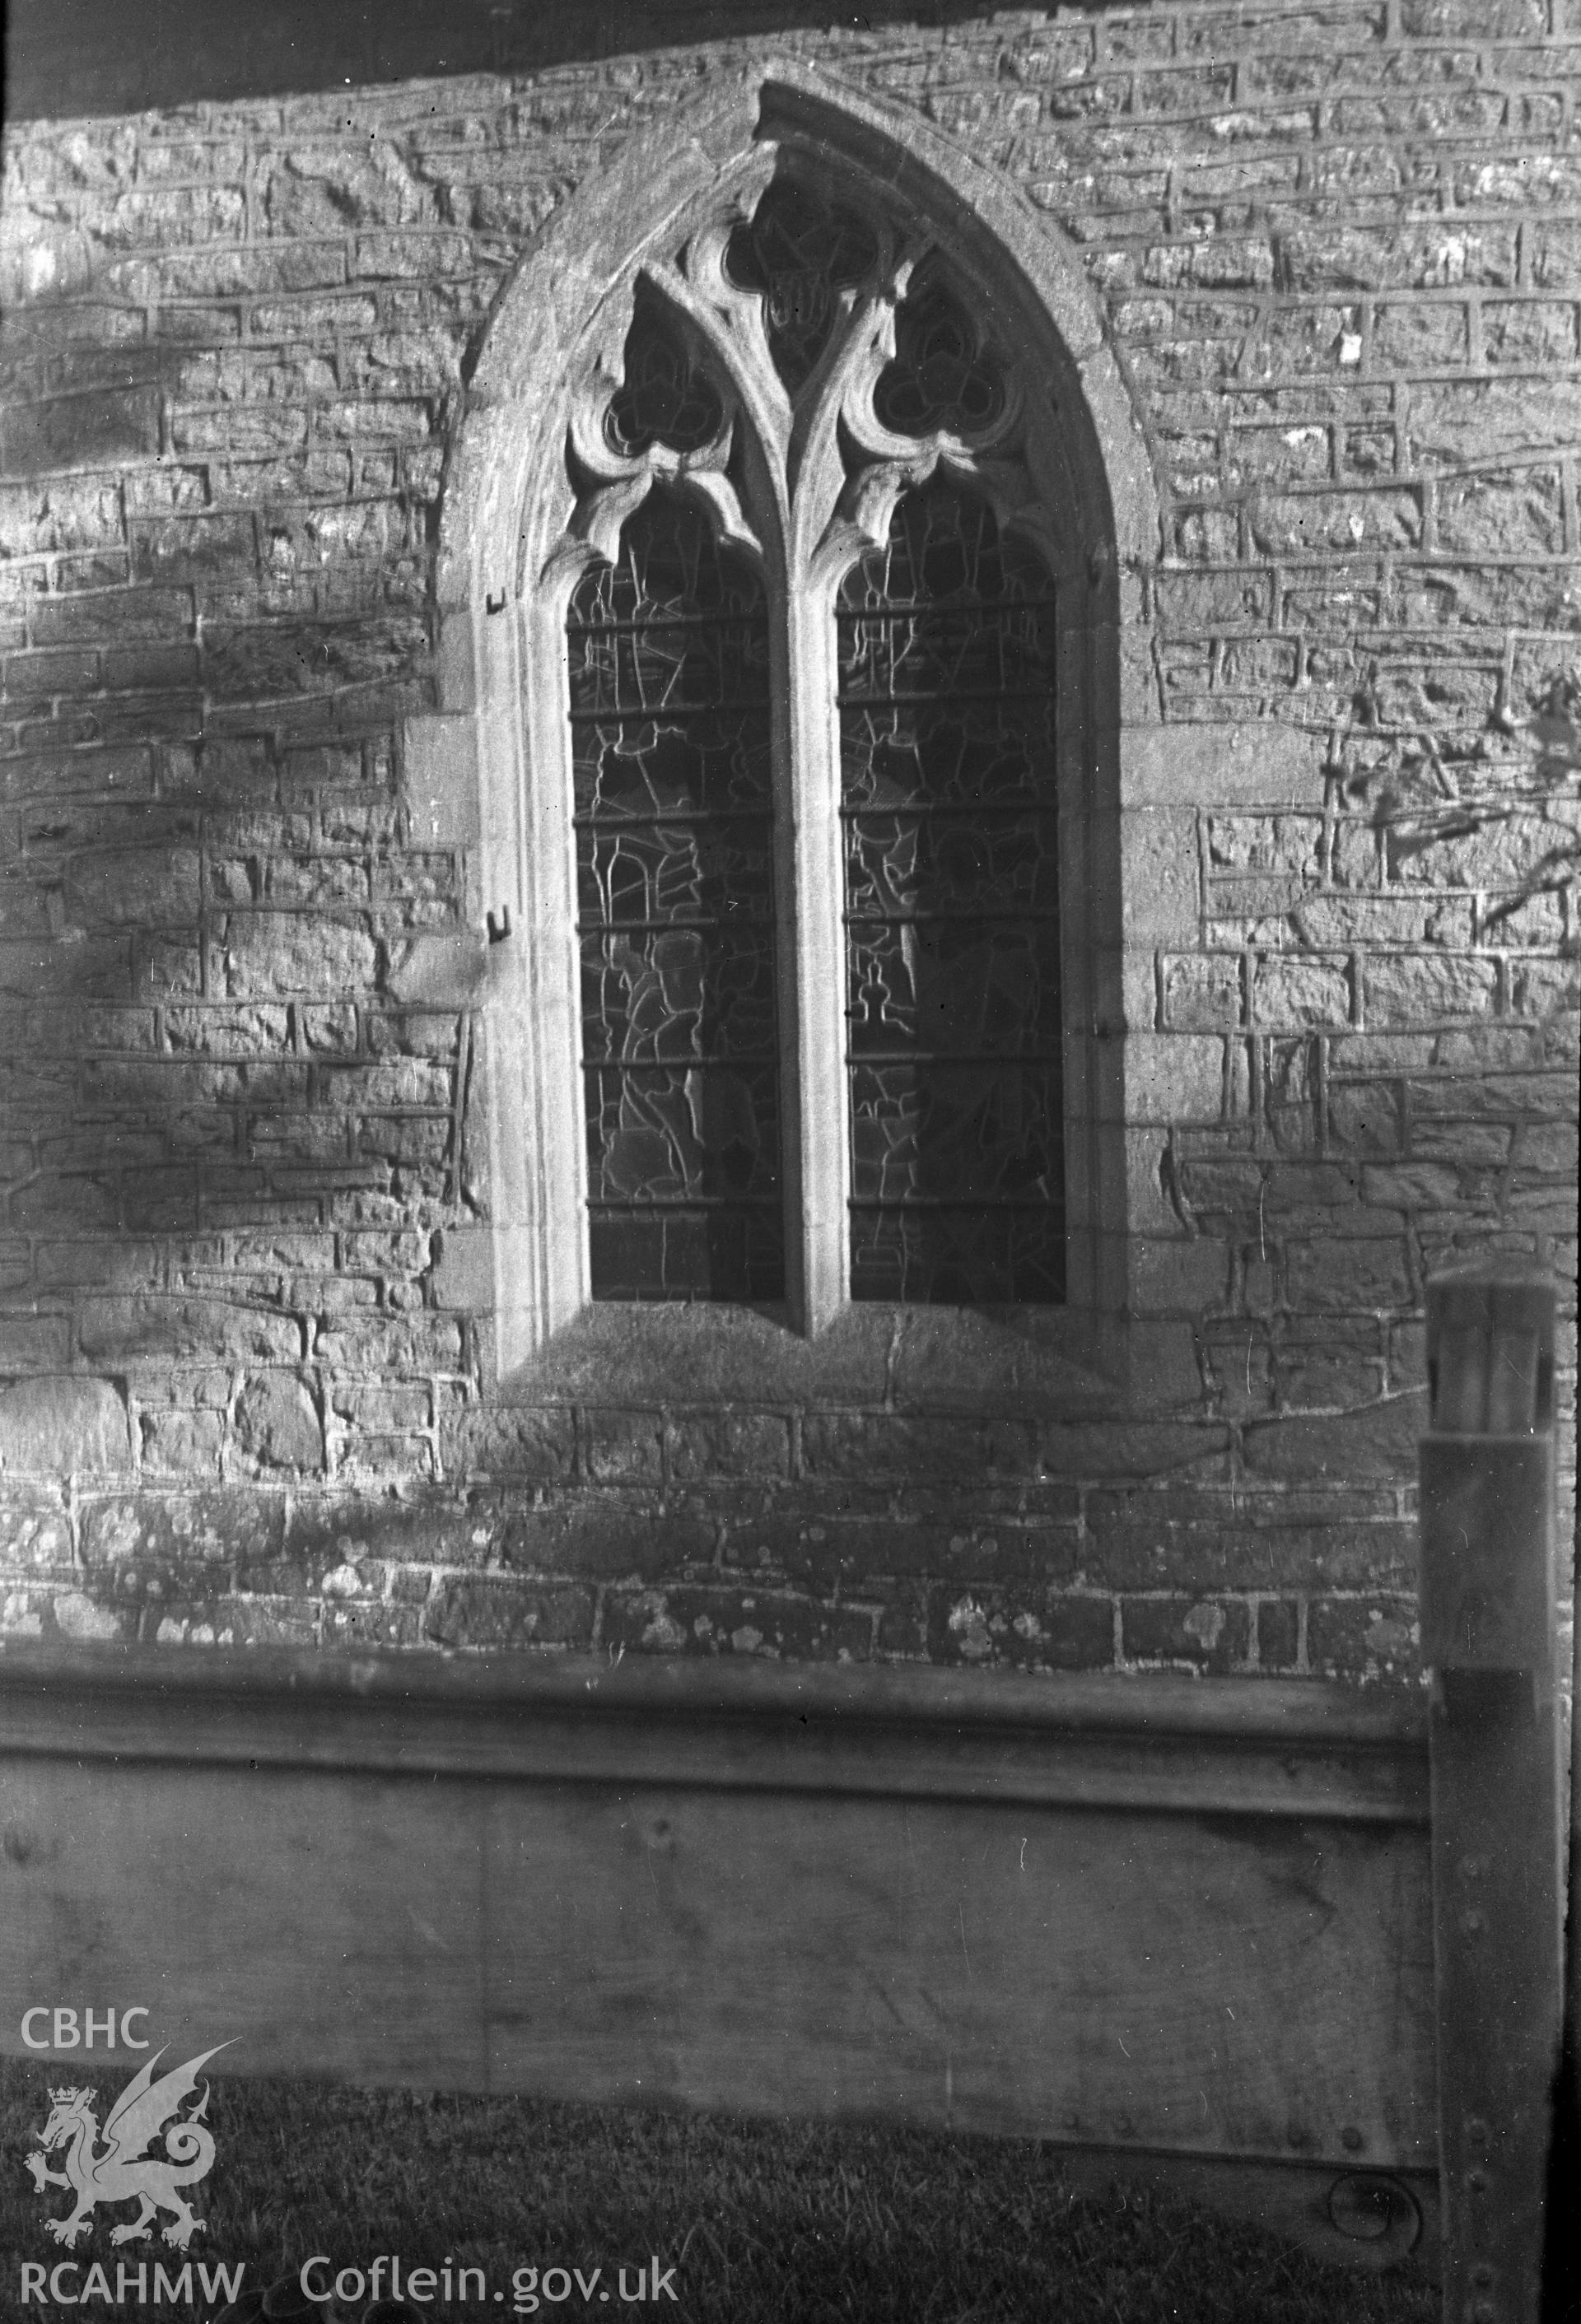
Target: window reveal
{"x": 673, "y": 816}
{"x": 951, "y": 908}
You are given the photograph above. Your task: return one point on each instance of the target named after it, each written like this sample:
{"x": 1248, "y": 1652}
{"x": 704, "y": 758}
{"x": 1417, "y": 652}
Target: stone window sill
{"x": 1012, "y": 1361}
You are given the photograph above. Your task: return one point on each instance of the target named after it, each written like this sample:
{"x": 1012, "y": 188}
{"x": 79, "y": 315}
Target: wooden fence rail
{"x": 1178, "y": 1927}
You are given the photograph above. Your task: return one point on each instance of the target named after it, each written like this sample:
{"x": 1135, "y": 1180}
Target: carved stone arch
{"x": 475, "y": 773}
{"x": 609, "y": 486}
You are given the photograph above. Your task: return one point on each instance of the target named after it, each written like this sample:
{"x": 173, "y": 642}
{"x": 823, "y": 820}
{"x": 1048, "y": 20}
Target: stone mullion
{"x": 809, "y": 870}
{"x": 809, "y": 859}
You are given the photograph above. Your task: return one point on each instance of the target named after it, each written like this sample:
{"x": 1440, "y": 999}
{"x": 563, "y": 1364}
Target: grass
{"x": 764, "y": 2223}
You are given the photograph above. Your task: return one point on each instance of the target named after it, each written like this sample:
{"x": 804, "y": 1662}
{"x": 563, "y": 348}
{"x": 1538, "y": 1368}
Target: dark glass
{"x": 663, "y": 398}
{"x": 800, "y": 252}
{"x": 947, "y": 798}
{"x": 940, "y": 378}
{"x": 673, "y": 800}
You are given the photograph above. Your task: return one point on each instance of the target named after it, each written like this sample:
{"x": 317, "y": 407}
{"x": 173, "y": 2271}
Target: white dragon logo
{"x": 124, "y": 2172}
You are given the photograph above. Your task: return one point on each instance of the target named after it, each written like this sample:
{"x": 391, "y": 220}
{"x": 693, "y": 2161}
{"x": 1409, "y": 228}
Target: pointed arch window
{"x": 803, "y": 597}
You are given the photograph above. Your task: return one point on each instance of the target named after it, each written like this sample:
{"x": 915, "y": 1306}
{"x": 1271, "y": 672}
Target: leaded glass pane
{"x": 940, "y": 378}
{"x": 801, "y": 253}
{"x": 673, "y": 810}
{"x": 663, "y": 398}
{"x": 953, "y": 1058}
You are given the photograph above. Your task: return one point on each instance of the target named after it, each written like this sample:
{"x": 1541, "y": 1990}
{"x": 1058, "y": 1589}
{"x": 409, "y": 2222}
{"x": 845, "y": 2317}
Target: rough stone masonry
{"x": 1336, "y": 251}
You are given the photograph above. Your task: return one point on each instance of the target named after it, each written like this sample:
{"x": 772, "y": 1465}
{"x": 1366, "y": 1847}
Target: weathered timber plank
{"x": 1182, "y": 1927}
{"x": 1087, "y": 1976}
{"x": 1274, "y": 1750}
{"x": 1301, "y": 1711}
{"x": 1213, "y": 1985}
{"x": 324, "y": 1924}
{"x": 1360, "y": 2219}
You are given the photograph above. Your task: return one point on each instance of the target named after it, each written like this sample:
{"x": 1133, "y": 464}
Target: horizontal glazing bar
{"x": 680, "y": 1205}
{"x": 644, "y": 714}
{"x": 966, "y": 693}
{"x": 1017, "y": 811}
{"x": 744, "y": 1062}
{"x": 978, "y": 1208}
{"x": 612, "y": 819}
{"x": 576, "y": 629}
{"x": 965, "y": 609}
{"x": 756, "y": 920}
{"x": 666, "y": 1068}
{"x": 1004, "y": 915}
{"x": 998, "y": 1061}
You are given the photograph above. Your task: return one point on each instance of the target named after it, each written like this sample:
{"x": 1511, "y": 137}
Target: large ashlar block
{"x": 1214, "y": 766}
{"x": 1173, "y": 1077}
{"x": 1162, "y": 901}
{"x": 1181, "y": 1278}
{"x": 60, "y": 1426}
{"x": 440, "y": 760}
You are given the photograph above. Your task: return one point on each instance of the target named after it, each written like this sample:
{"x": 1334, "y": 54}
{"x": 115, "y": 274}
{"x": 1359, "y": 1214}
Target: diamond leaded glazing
{"x": 669, "y": 720}
{"x": 947, "y": 799}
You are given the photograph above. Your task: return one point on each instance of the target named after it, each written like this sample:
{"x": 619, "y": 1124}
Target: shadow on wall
{"x": 67, "y": 58}
{"x": 218, "y": 1189}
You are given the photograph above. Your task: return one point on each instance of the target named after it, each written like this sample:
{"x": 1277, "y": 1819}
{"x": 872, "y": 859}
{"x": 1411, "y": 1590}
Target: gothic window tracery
{"x": 877, "y": 551}
{"x": 800, "y": 252}
{"x": 939, "y": 379}
{"x": 664, "y": 398}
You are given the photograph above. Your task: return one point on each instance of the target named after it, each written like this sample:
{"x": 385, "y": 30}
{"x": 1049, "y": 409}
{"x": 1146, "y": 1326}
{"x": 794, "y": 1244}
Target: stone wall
{"x": 1337, "y": 250}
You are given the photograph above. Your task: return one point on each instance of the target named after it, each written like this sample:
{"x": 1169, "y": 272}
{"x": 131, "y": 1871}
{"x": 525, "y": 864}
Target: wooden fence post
{"x": 1488, "y": 1618}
